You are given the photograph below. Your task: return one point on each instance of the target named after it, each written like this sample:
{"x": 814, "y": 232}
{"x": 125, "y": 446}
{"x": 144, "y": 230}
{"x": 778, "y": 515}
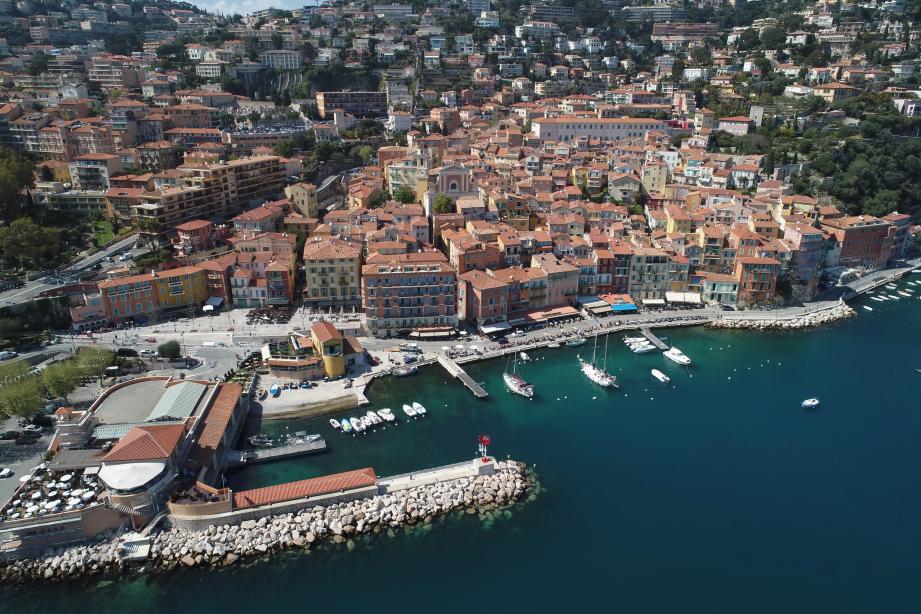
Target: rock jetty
{"x": 808, "y": 320}
{"x": 225, "y": 545}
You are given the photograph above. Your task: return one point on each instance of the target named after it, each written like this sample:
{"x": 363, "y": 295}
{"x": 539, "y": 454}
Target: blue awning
{"x": 623, "y": 307}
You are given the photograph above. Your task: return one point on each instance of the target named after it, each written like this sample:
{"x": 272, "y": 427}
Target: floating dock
{"x": 458, "y": 372}
{"x": 262, "y": 455}
{"x": 653, "y": 339}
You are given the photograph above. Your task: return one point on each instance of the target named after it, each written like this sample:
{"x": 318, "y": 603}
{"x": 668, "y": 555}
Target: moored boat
{"x": 524, "y": 357}
{"x": 373, "y": 417}
{"x": 386, "y": 414}
{"x": 420, "y": 410}
{"x": 403, "y": 370}
{"x": 810, "y": 403}
{"x": 868, "y": 308}
{"x": 357, "y": 424}
{"x": 641, "y": 348}
{"x": 595, "y": 373}
{"x": 676, "y": 355}
{"x": 334, "y": 423}
{"x": 346, "y": 425}
{"x": 515, "y": 383}
{"x": 574, "y": 342}
{"x": 409, "y": 411}
{"x": 660, "y": 376}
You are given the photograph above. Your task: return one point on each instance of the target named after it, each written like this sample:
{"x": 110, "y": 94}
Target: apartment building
{"x": 92, "y": 171}
{"x": 331, "y": 273}
{"x": 359, "y": 104}
{"x": 282, "y": 59}
{"x": 408, "y": 292}
{"x": 609, "y": 129}
{"x": 757, "y": 279}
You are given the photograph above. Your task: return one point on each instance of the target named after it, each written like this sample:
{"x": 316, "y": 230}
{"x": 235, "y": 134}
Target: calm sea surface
{"x": 715, "y": 493}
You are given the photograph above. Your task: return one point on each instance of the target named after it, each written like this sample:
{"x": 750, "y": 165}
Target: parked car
{"x": 9, "y": 435}
{"x": 7, "y": 354}
{"x": 6, "y": 472}
{"x": 149, "y": 353}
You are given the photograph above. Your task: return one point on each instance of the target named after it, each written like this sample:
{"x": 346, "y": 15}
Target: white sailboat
{"x": 597, "y": 374}
{"x": 515, "y": 384}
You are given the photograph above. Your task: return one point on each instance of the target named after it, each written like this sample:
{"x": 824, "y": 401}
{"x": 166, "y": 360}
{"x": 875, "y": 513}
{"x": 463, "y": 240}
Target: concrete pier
{"x": 262, "y": 455}
{"x": 458, "y": 372}
{"x": 653, "y": 339}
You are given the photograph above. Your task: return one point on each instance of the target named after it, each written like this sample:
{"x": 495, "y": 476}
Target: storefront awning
{"x": 495, "y": 327}
{"x": 686, "y": 298}
{"x": 654, "y": 302}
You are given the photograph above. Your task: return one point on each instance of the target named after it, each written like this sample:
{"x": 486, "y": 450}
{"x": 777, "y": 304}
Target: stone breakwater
{"x": 225, "y": 545}
{"x": 808, "y": 320}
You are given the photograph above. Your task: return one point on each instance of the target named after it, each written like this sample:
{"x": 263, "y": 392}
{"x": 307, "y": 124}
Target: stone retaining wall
{"x": 221, "y": 546}
{"x": 807, "y": 320}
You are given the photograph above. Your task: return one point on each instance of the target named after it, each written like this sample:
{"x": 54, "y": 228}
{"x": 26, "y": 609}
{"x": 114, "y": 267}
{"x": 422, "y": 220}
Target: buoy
{"x": 730, "y": 377}
{"x": 593, "y": 398}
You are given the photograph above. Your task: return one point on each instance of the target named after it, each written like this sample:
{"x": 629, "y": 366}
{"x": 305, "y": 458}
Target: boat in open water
{"x": 810, "y": 403}
{"x": 594, "y": 372}
{"x": 515, "y": 383}
{"x": 660, "y": 376}
{"x": 677, "y": 356}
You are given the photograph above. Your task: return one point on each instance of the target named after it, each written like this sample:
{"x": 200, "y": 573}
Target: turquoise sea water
{"x": 715, "y": 493}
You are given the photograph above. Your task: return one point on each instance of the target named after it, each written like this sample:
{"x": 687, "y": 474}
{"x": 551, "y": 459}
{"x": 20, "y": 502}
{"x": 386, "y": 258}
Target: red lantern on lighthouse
{"x": 484, "y": 441}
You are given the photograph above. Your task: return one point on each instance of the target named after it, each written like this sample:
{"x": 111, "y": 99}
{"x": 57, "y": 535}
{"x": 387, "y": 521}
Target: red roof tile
{"x": 218, "y": 416}
{"x": 336, "y": 482}
{"x": 144, "y": 443}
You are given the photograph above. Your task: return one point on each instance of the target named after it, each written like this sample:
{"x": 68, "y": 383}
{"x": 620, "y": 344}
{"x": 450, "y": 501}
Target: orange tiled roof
{"x": 219, "y": 416}
{"x": 143, "y": 443}
{"x": 336, "y": 482}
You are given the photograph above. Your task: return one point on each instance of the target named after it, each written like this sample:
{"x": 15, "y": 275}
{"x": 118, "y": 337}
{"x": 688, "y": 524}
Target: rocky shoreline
{"x": 809, "y": 320}
{"x": 225, "y": 545}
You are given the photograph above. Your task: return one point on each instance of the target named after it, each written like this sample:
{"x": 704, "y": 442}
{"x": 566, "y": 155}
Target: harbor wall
{"x": 294, "y": 525}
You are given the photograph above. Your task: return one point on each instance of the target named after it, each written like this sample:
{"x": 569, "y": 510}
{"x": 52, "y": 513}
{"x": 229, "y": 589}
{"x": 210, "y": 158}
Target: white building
{"x": 569, "y": 128}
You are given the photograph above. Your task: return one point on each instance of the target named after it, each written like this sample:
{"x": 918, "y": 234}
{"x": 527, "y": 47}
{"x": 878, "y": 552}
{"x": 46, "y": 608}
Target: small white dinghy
{"x": 810, "y": 403}
{"x": 420, "y": 410}
{"x": 334, "y": 423}
{"x": 868, "y": 308}
{"x": 660, "y": 376}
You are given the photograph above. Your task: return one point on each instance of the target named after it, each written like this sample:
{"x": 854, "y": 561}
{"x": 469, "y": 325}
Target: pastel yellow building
{"x": 328, "y": 343}
{"x": 181, "y": 287}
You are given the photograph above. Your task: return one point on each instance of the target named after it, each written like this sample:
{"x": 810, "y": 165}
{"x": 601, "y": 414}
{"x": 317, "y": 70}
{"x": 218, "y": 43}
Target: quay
{"x": 653, "y": 339}
{"x": 457, "y": 372}
{"x": 250, "y": 457}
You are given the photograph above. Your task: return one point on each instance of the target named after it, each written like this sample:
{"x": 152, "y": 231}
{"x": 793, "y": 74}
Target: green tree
{"x": 38, "y": 64}
{"x": 9, "y": 329}
{"x": 13, "y": 370}
{"x": 378, "y": 199}
{"x": 404, "y": 195}
{"x": 748, "y": 39}
{"x": 442, "y": 204}
{"x": 773, "y": 38}
{"x": 22, "y": 398}
{"x": 93, "y": 362}
{"x": 285, "y": 149}
{"x": 60, "y": 379}
{"x": 701, "y": 56}
{"x": 26, "y": 245}
{"x": 16, "y": 174}
{"x": 171, "y": 350}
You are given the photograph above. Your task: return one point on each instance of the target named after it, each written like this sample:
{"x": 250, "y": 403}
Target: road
{"x": 33, "y": 289}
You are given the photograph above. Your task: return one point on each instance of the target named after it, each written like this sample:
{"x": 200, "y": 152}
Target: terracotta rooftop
{"x": 324, "y": 331}
{"x": 144, "y": 443}
{"x": 217, "y": 418}
{"x": 327, "y": 484}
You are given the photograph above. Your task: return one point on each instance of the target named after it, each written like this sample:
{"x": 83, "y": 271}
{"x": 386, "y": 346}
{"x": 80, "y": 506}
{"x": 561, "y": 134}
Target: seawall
{"x": 397, "y": 504}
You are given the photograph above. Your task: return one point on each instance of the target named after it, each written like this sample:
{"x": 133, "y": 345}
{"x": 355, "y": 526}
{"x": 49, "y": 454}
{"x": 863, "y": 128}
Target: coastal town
{"x": 210, "y": 219}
